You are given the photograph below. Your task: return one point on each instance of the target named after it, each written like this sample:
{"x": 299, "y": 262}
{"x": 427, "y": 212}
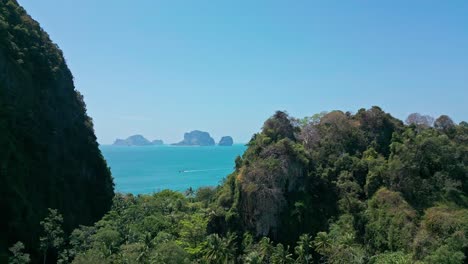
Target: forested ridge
{"x": 335, "y": 187}
{"x": 49, "y": 156}
{"x": 331, "y": 188}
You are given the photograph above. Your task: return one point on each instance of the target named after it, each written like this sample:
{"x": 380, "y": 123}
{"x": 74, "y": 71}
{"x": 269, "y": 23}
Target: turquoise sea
{"x": 150, "y": 169}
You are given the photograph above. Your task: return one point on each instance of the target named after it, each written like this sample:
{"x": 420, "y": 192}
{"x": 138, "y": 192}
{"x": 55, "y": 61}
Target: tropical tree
{"x": 220, "y": 249}
{"x": 265, "y": 248}
{"x": 53, "y": 236}
{"x": 189, "y": 193}
{"x": 18, "y": 256}
{"x": 281, "y": 255}
{"x": 444, "y": 123}
{"x": 303, "y": 249}
{"x": 253, "y": 257}
{"x": 322, "y": 243}
{"x": 417, "y": 119}
{"x": 169, "y": 253}
{"x": 390, "y": 222}
{"x": 397, "y": 257}
{"x": 192, "y": 232}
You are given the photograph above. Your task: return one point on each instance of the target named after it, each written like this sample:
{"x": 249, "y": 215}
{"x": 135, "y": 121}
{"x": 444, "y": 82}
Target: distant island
{"x": 193, "y": 138}
{"x": 137, "y": 140}
{"x": 226, "y": 141}
{"x": 157, "y": 142}
{"x": 196, "y": 138}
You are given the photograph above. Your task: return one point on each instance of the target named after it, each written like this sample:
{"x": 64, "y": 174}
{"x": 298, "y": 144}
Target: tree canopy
{"x": 336, "y": 188}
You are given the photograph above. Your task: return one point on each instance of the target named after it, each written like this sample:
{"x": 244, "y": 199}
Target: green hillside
{"x": 333, "y": 188}
{"x": 49, "y": 156}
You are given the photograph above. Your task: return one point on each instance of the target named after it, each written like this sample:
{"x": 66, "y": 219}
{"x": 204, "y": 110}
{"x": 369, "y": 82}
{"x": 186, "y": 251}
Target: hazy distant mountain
{"x": 135, "y": 140}
{"x": 226, "y": 141}
{"x": 157, "y": 142}
{"x": 196, "y": 138}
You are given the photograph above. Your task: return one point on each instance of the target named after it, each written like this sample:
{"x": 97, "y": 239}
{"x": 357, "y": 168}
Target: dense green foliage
{"x": 333, "y": 188}
{"x": 49, "y": 157}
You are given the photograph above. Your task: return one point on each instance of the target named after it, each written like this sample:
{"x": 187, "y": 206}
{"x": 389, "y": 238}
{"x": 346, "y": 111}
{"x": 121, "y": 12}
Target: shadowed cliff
{"x": 49, "y": 156}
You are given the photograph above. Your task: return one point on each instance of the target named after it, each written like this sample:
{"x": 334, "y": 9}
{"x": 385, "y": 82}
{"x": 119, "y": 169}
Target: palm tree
{"x": 322, "y": 243}
{"x": 265, "y": 247}
{"x": 281, "y": 255}
{"x": 189, "y": 193}
{"x": 220, "y": 250}
{"x": 304, "y": 249}
{"x": 148, "y": 243}
{"x": 253, "y": 258}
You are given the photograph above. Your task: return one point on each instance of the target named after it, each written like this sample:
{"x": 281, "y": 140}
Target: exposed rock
{"x": 226, "y": 141}
{"x": 196, "y": 138}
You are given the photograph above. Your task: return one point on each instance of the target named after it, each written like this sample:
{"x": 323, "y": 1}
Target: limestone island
{"x": 226, "y": 141}
{"x": 196, "y": 138}
{"x": 136, "y": 140}
{"x": 157, "y": 142}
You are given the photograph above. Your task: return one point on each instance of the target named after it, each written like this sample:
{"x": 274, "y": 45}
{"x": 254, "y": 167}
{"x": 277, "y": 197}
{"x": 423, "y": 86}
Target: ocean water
{"x": 148, "y": 169}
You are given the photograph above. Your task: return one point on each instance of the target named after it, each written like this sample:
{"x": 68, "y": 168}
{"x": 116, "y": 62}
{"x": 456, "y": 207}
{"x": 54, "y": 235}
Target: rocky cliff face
{"x": 196, "y": 138}
{"x": 226, "y": 141}
{"x": 49, "y": 156}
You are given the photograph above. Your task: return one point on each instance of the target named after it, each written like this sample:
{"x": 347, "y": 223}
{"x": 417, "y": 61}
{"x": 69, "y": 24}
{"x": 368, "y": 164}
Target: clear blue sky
{"x": 161, "y": 68}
